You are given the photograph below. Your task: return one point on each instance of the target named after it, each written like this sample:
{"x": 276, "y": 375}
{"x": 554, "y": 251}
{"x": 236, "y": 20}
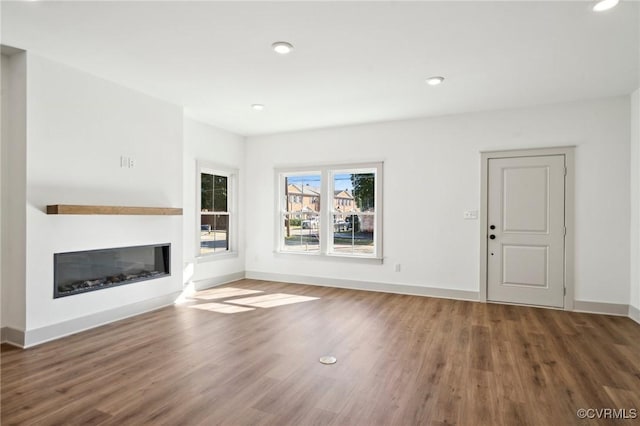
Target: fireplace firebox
{"x": 83, "y": 271}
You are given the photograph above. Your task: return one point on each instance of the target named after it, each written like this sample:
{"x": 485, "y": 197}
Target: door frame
{"x": 569, "y": 201}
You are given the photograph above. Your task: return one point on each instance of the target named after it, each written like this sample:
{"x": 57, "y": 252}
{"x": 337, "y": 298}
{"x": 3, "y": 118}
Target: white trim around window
{"x": 353, "y": 230}
{"x": 221, "y": 241}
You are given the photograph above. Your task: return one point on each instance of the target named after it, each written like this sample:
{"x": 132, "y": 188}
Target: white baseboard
{"x": 601, "y": 308}
{"x": 66, "y": 328}
{"x": 366, "y": 285}
{"x": 216, "y": 281}
{"x": 12, "y": 336}
{"x": 634, "y": 313}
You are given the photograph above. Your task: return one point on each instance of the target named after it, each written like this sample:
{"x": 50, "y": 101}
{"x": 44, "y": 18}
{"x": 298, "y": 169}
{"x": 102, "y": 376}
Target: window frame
{"x": 232, "y": 199}
{"x": 327, "y": 209}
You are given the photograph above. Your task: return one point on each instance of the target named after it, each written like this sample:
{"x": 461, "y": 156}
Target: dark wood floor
{"x": 402, "y": 360}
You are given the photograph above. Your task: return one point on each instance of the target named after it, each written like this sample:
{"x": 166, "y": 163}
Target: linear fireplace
{"x": 84, "y": 271}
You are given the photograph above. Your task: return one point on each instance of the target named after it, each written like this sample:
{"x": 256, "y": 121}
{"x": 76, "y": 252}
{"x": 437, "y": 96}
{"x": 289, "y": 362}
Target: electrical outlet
{"x": 396, "y": 267}
{"x": 127, "y": 162}
{"x": 470, "y": 214}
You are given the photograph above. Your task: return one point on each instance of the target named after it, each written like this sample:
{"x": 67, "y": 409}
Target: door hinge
{"x": 565, "y": 170}
{"x": 565, "y": 231}
{"x": 565, "y": 291}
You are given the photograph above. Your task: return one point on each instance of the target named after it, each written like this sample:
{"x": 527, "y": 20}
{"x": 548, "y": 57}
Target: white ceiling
{"x": 353, "y": 62}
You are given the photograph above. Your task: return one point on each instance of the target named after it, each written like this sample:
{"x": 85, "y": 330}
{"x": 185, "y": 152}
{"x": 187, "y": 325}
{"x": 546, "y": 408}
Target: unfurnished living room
{"x": 320, "y": 212}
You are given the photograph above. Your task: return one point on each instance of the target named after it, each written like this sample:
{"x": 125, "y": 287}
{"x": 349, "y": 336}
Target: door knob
{"x": 493, "y": 237}
{"x": 492, "y": 227}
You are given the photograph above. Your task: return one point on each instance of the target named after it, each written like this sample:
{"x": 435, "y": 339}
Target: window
{"x": 300, "y": 222}
{"x": 354, "y": 230}
{"x": 216, "y": 216}
{"x": 340, "y": 211}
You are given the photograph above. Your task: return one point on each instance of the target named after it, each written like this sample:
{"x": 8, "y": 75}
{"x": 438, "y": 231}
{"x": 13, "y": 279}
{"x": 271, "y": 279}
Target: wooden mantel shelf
{"x": 112, "y": 210}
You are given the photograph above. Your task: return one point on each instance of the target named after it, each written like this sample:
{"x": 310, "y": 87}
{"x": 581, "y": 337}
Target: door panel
{"x": 525, "y": 199}
{"x": 525, "y": 259}
{"x": 525, "y": 265}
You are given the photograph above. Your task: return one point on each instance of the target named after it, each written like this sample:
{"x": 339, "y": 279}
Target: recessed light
{"x": 257, "y": 107}
{"x": 603, "y": 5}
{"x": 434, "y": 81}
{"x": 282, "y": 47}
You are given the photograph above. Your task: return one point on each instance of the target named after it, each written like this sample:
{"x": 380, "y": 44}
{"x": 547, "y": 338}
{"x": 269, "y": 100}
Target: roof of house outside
{"x": 315, "y": 192}
{"x": 306, "y": 190}
{"x": 342, "y": 194}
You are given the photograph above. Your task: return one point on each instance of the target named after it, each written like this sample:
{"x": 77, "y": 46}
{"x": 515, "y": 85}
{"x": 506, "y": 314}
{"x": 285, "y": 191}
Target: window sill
{"x": 216, "y": 256}
{"x": 333, "y": 257}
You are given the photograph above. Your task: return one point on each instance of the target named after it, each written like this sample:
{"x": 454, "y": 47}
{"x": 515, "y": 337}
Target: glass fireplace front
{"x": 84, "y": 271}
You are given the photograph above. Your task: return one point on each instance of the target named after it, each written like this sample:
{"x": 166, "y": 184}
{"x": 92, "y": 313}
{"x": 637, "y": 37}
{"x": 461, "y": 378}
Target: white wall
{"x": 432, "y": 175}
{"x": 206, "y": 143}
{"x": 78, "y": 127}
{"x": 4, "y": 108}
{"x": 635, "y": 200}
{"x": 4, "y": 132}
{"x": 13, "y": 190}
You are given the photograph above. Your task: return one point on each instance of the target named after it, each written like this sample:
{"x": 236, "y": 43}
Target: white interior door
{"x": 525, "y": 245}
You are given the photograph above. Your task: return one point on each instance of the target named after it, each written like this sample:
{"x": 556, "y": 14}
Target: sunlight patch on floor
{"x": 192, "y": 299}
{"x": 223, "y": 293}
{"x": 271, "y": 300}
{"x": 221, "y": 308}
